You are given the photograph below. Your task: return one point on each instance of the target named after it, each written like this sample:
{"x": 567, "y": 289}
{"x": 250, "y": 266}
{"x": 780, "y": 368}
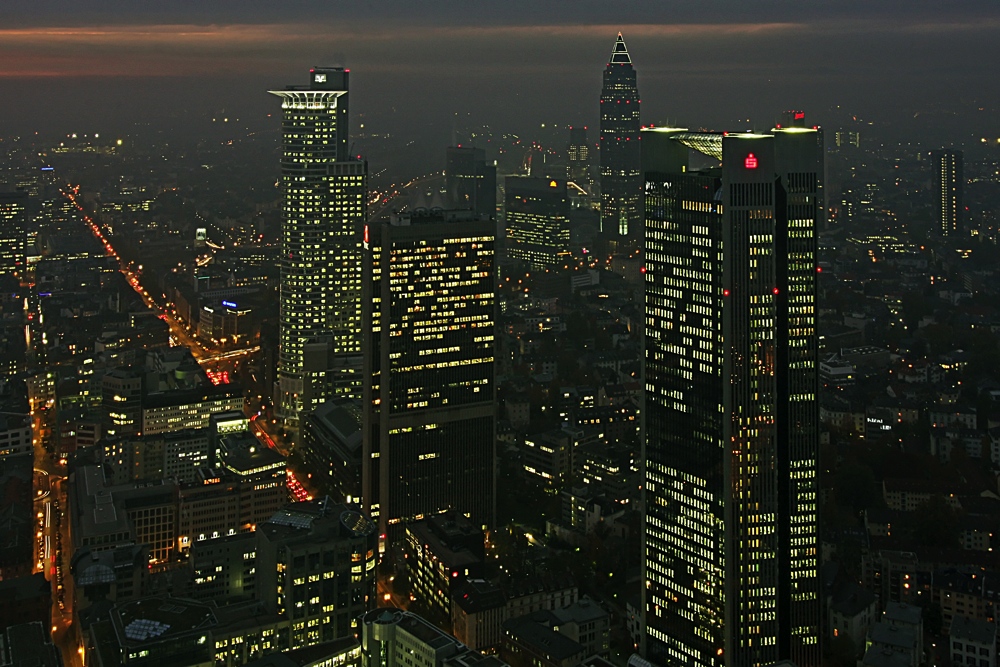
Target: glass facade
{"x": 537, "y": 215}
{"x": 731, "y": 415}
{"x": 13, "y": 235}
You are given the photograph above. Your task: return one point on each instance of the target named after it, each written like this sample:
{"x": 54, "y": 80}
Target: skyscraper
{"x": 323, "y": 214}
{"x": 578, "y": 157}
{"x": 621, "y": 180}
{"x": 429, "y": 425}
{"x": 948, "y": 185}
{"x": 731, "y": 381}
{"x": 470, "y": 182}
{"x": 12, "y": 231}
{"x": 537, "y": 216}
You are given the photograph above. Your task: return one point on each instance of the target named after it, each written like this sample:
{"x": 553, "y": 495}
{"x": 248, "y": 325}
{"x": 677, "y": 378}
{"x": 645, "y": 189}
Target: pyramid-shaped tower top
{"x": 620, "y": 55}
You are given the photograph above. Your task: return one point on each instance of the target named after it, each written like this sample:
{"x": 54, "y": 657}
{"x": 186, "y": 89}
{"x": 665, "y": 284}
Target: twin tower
{"x": 403, "y": 316}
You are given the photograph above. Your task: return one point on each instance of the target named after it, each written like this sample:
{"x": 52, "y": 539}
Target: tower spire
{"x": 620, "y": 55}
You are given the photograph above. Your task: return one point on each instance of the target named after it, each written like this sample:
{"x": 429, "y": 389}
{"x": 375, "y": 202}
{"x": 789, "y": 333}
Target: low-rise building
{"x": 29, "y": 644}
{"x": 444, "y": 551}
{"x": 316, "y": 566}
{"x": 15, "y": 435}
{"x": 395, "y": 637}
{"x": 557, "y": 638}
{"x": 331, "y": 448}
{"x": 479, "y": 608}
{"x": 176, "y": 455}
{"x": 973, "y": 642}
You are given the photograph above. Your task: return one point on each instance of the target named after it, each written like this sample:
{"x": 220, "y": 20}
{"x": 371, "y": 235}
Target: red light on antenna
{"x": 750, "y": 162}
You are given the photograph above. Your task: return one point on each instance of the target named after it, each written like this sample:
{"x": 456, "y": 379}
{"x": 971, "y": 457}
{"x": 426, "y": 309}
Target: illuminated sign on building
{"x": 229, "y": 304}
{"x": 750, "y": 162}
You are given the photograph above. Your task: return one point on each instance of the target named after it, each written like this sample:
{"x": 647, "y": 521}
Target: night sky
{"x": 101, "y": 64}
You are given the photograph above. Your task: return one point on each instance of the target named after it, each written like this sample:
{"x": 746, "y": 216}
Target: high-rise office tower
{"x": 323, "y": 215}
{"x": 578, "y": 157}
{"x": 470, "y": 182}
{"x": 13, "y": 234}
{"x": 731, "y": 563}
{"x": 948, "y": 185}
{"x": 430, "y": 415}
{"x": 537, "y": 216}
{"x": 621, "y": 180}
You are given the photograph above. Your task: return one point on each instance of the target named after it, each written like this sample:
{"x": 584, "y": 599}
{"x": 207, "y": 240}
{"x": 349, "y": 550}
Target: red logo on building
{"x": 750, "y": 162}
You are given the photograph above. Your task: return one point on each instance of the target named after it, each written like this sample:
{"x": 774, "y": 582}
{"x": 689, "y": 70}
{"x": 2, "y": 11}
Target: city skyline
{"x": 868, "y": 64}
{"x": 417, "y": 371}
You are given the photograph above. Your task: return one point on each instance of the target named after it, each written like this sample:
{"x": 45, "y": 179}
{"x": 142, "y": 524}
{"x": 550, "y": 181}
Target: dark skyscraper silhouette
{"x": 949, "y": 180}
{"x": 732, "y": 421}
{"x": 429, "y": 424}
{"x": 621, "y": 180}
{"x": 578, "y": 157}
{"x": 470, "y": 182}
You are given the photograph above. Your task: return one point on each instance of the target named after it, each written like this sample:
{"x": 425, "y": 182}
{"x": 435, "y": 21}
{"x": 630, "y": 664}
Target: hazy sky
{"x": 512, "y": 64}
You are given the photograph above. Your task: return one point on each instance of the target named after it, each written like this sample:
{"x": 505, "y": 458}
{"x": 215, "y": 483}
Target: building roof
{"x": 852, "y": 599}
{"x": 319, "y": 521}
{"x": 154, "y": 619}
{"x": 900, "y": 612}
{"x": 339, "y": 420}
{"x": 899, "y": 636}
{"x": 308, "y": 656}
{"x": 583, "y": 611}
{"x": 16, "y": 589}
{"x": 531, "y": 632}
{"x": 451, "y": 537}
{"x": 29, "y": 645}
{"x": 478, "y": 595}
{"x": 619, "y": 56}
{"x": 244, "y": 454}
{"x": 973, "y": 630}
{"x": 415, "y": 626}
{"x": 880, "y": 656}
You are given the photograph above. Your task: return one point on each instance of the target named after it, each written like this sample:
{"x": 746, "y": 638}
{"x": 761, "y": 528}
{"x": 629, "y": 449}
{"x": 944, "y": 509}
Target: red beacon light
{"x": 750, "y": 162}
{"x": 776, "y": 291}
{"x": 725, "y": 292}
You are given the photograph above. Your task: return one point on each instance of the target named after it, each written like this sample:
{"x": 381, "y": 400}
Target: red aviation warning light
{"x": 750, "y": 162}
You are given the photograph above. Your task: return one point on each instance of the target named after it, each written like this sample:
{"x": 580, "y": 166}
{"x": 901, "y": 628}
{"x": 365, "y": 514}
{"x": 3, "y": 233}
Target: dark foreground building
{"x": 430, "y": 415}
